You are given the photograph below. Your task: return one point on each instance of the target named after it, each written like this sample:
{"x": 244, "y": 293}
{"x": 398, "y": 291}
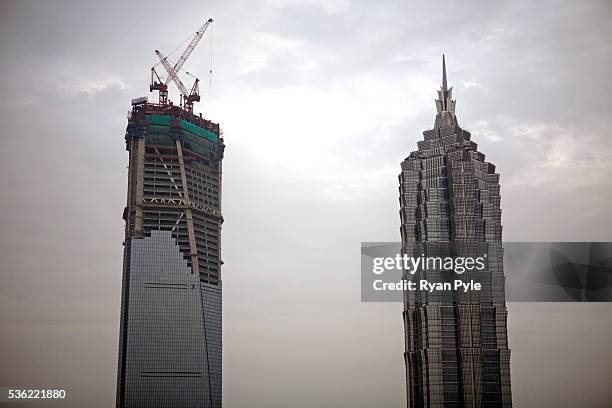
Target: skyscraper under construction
{"x": 170, "y": 335}
{"x": 456, "y": 345}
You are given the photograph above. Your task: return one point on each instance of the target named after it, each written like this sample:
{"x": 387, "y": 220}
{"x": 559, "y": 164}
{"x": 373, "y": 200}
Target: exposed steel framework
{"x": 166, "y": 172}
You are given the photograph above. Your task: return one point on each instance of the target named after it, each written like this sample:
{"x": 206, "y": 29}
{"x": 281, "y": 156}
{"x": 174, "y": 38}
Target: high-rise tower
{"x": 170, "y": 336}
{"x": 456, "y": 345}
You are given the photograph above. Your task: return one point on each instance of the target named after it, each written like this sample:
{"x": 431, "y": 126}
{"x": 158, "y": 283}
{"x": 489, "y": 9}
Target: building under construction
{"x": 170, "y": 337}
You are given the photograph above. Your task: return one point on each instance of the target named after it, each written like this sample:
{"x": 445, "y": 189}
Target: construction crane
{"x": 187, "y": 97}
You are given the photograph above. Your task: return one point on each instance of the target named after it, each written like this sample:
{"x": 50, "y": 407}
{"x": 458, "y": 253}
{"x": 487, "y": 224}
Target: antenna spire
{"x": 444, "y": 85}
{"x": 445, "y": 105}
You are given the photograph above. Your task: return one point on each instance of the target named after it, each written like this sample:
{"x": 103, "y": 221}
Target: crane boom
{"x": 157, "y": 84}
{"x": 192, "y": 44}
{"x": 172, "y": 74}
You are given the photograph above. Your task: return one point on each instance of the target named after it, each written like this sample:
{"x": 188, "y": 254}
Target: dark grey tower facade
{"x": 456, "y": 346}
{"x": 170, "y": 335}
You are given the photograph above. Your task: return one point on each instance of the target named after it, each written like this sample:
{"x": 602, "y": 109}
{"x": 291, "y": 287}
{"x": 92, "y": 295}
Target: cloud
{"x": 90, "y": 86}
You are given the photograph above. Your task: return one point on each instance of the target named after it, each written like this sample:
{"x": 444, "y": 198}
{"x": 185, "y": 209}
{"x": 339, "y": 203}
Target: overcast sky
{"x": 319, "y": 101}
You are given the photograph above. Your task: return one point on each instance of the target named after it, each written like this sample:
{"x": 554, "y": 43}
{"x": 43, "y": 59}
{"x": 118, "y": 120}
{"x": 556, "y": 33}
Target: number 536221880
{"x": 36, "y": 394}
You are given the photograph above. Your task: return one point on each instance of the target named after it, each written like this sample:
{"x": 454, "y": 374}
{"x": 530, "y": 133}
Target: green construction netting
{"x": 164, "y": 120}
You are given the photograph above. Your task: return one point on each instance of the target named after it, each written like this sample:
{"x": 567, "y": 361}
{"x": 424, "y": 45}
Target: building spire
{"x": 445, "y": 105}
{"x": 444, "y": 85}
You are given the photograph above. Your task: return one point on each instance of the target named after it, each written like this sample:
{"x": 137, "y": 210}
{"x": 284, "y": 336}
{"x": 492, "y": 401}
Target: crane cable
{"x": 210, "y": 70}
{"x": 176, "y": 49}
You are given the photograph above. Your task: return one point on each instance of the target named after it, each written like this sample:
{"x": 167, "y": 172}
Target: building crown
{"x": 445, "y": 105}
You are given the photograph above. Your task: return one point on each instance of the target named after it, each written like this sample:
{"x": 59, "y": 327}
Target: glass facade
{"x": 456, "y": 347}
{"x": 170, "y": 349}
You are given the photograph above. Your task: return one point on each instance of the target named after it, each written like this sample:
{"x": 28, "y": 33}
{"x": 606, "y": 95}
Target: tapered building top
{"x": 444, "y": 86}
{"x": 445, "y": 104}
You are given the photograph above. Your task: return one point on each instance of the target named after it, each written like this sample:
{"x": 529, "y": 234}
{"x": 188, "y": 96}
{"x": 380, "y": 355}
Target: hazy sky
{"x": 319, "y": 101}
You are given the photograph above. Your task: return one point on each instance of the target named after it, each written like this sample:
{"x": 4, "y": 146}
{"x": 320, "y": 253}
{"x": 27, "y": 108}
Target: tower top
{"x": 445, "y": 105}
